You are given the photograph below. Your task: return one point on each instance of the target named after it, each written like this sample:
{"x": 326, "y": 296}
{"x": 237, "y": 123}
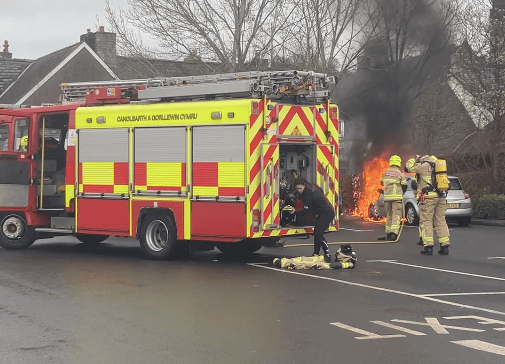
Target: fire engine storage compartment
{"x": 295, "y": 161}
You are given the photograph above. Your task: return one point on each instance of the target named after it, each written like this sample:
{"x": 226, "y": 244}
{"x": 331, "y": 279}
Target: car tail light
{"x": 467, "y": 196}
{"x": 256, "y": 221}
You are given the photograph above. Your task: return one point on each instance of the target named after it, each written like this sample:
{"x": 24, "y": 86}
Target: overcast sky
{"x": 35, "y": 28}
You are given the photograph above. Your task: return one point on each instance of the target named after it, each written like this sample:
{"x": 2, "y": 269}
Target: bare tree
{"x": 480, "y": 70}
{"x": 229, "y": 32}
{"x": 329, "y": 35}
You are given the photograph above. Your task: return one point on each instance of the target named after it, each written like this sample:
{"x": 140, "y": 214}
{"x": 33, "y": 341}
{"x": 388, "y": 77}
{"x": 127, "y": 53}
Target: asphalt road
{"x": 63, "y": 303}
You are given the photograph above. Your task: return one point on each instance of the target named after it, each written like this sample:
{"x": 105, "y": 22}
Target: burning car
{"x": 459, "y": 204}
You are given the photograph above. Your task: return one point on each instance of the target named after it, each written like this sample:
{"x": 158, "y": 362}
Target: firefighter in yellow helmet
{"x": 432, "y": 206}
{"x": 395, "y": 185}
{"x": 23, "y": 144}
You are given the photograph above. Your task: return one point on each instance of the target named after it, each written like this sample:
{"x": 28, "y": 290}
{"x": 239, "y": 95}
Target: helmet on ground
{"x": 395, "y": 160}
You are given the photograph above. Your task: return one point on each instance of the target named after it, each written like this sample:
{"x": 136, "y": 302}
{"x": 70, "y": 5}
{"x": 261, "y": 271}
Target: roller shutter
{"x": 103, "y": 162}
{"x": 218, "y": 162}
{"x": 160, "y": 160}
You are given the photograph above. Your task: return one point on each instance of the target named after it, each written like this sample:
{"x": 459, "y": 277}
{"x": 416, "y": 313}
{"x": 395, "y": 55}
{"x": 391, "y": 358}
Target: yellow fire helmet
{"x": 24, "y": 142}
{"x": 395, "y": 160}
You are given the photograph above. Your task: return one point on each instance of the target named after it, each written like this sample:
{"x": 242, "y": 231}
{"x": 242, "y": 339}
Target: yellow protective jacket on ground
{"x": 314, "y": 262}
{"x": 393, "y": 179}
{"x": 424, "y": 170}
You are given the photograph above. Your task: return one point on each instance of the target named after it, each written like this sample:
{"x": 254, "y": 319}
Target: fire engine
{"x": 179, "y": 163}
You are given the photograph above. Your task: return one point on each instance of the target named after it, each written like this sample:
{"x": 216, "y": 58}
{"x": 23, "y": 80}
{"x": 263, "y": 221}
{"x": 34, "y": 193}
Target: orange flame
{"x": 365, "y": 191}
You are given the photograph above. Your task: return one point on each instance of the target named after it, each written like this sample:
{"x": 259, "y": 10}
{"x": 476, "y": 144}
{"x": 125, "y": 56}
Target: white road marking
{"x": 381, "y": 289}
{"x": 399, "y": 328}
{"x": 366, "y": 334}
{"x": 443, "y": 270}
{"x": 460, "y": 294}
{"x": 485, "y": 321}
{"x": 356, "y": 230}
{"x": 495, "y": 257}
{"x": 437, "y": 326}
{"x": 482, "y": 346}
{"x": 380, "y": 260}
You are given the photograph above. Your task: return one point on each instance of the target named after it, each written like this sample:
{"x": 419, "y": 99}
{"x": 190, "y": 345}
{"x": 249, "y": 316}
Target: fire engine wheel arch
{"x": 91, "y": 240}
{"x": 15, "y": 233}
{"x": 244, "y": 247}
{"x": 158, "y": 236}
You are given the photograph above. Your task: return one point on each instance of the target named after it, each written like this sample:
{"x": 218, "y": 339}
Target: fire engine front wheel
{"x": 16, "y": 234}
{"x": 158, "y": 237}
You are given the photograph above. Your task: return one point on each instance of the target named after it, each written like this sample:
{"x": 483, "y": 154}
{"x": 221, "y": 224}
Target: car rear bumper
{"x": 461, "y": 212}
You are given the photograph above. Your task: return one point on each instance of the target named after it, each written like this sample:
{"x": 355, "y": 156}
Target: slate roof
{"x": 37, "y": 70}
{"x": 127, "y": 68}
{"x": 10, "y": 69}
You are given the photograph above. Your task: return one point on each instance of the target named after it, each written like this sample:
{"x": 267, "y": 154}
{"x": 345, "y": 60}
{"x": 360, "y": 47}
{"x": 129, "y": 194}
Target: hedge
{"x": 490, "y": 207}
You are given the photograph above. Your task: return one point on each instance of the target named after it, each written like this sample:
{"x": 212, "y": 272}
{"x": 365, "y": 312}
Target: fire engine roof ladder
{"x": 310, "y": 85}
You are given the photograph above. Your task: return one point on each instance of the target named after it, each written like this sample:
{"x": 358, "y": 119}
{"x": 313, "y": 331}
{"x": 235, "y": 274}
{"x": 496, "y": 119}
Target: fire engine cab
{"x": 179, "y": 163}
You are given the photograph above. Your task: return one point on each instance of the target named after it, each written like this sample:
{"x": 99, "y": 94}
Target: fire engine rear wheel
{"x": 158, "y": 237}
{"x": 244, "y": 247}
{"x": 16, "y": 234}
{"x": 91, "y": 240}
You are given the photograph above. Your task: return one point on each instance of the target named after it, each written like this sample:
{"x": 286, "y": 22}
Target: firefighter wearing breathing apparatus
{"x": 395, "y": 185}
{"x": 432, "y": 204}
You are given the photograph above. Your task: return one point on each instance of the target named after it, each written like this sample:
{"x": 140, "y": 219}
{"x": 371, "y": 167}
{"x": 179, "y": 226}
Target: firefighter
{"x": 345, "y": 258}
{"x": 23, "y": 144}
{"x": 395, "y": 185}
{"x": 432, "y": 206}
{"x": 314, "y": 200}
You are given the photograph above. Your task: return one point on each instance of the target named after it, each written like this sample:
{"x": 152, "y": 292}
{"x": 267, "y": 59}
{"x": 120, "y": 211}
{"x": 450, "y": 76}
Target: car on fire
{"x": 459, "y": 204}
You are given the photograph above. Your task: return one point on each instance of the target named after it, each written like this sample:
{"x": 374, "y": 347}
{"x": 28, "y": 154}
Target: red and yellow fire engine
{"x": 199, "y": 161}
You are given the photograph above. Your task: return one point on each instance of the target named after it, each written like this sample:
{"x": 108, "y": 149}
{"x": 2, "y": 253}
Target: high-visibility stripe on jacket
{"x": 393, "y": 179}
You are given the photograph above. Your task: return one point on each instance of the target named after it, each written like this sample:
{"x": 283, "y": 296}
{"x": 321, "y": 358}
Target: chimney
{"x": 103, "y": 44}
{"x": 5, "y": 53}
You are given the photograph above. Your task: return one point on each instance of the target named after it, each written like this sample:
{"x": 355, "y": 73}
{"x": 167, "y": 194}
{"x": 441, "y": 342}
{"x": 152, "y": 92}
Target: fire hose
{"x": 354, "y": 242}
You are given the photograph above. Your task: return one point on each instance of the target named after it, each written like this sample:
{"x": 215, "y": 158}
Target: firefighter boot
{"x": 444, "y": 250}
{"x": 427, "y": 250}
{"x": 327, "y": 257}
{"x": 277, "y": 262}
{"x": 392, "y": 237}
{"x": 420, "y": 242}
{"x": 387, "y": 237}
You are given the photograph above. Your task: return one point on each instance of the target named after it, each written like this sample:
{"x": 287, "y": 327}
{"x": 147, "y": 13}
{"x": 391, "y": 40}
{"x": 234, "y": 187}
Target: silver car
{"x": 459, "y": 204}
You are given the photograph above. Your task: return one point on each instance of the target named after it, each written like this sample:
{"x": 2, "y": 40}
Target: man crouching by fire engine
{"x": 314, "y": 200}
{"x": 395, "y": 185}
